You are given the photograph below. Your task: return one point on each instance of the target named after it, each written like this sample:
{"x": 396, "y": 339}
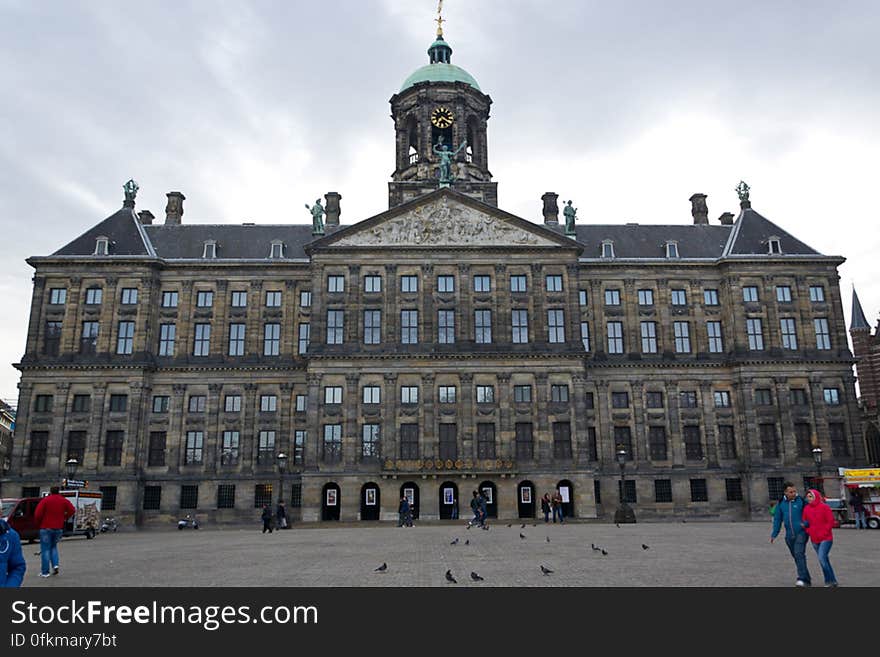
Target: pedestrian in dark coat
{"x": 545, "y": 507}
{"x": 12, "y": 563}
{"x": 281, "y": 515}
{"x": 267, "y": 519}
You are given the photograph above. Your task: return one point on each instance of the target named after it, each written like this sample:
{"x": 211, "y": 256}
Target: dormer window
{"x": 210, "y": 250}
{"x": 102, "y": 245}
{"x": 671, "y": 249}
{"x": 773, "y": 246}
{"x": 277, "y": 249}
{"x": 607, "y": 249}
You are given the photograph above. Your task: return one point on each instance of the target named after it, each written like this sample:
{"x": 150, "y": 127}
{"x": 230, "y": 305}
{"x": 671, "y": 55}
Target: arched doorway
{"x": 410, "y": 491}
{"x": 490, "y": 492}
{"x": 370, "y": 502}
{"x": 872, "y": 445}
{"x": 330, "y": 501}
{"x": 566, "y": 489}
{"x": 448, "y": 501}
{"x": 525, "y": 499}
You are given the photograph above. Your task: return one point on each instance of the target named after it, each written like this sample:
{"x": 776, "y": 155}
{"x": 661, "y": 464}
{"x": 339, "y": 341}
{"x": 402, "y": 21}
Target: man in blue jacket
{"x": 788, "y": 513}
{"x": 12, "y": 563}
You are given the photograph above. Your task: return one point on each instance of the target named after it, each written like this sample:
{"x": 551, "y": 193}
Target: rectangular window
{"x": 733, "y": 488}
{"x": 371, "y": 395}
{"x": 202, "y": 340}
{"x": 57, "y": 296}
{"x": 716, "y": 343}
{"x": 194, "y": 445}
{"x": 336, "y": 283}
{"x": 693, "y": 445}
{"x": 262, "y": 495}
{"x": 832, "y": 396}
{"x": 197, "y": 403}
{"x": 589, "y": 400}
{"x": 837, "y": 434}
{"x": 485, "y": 394}
{"x": 612, "y": 297}
{"x": 687, "y": 399}
{"x": 646, "y": 297}
{"x": 750, "y": 293}
{"x": 803, "y": 439}
{"x": 485, "y": 440}
{"x": 755, "y": 333}
{"x": 118, "y": 403}
{"x": 76, "y": 445}
{"x": 817, "y": 294}
{"x": 409, "y": 284}
{"x": 447, "y": 394}
{"x": 299, "y": 445}
{"x": 823, "y": 335}
{"x": 592, "y": 445}
{"x": 483, "y": 326}
{"x": 519, "y": 320}
{"x": 446, "y": 284}
{"x": 273, "y": 299}
{"x": 113, "y": 448}
{"x": 726, "y": 441}
{"x": 266, "y": 448}
{"x": 409, "y": 326}
{"x": 82, "y": 403}
{"x": 627, "y": 491}
{"x": 649, "y": 337}
{"x": 789, "y": 334}
{"x": 556, "y": 326}
{"x": 682, "y": 332}
{"x": 482, "y": 283}
{"x": 108, "y": 503}
{"x": 775, "y": 488}
{"x": 559, "y": 393}
{"x": 167, "y": 333}
{"x": 236, "y": 339}
{"x": 332, "y": 452}
{"x": 799, "y": 397}
{"x": 372, "y": 326}
{"x": 409, "y": 394}
{"x": 93, "y": 296}
{"x": 585, "y": 335}
{"x": 783, "y": 293}
{"x": 125, "y": 338}
{"x": 204, "y": 299}
{"x": 582, "y": 297}
{"x": 129, "y": 296}
{"x": 525, "y": 445}
{"x": 37, "y": 449}
{"x": 156, "y": 454}
{"x": 89, "y": 342}
{"x": 152, "y": 498}
{"x": 409, "y": 441}
{"x": 446, "y": 326}
{"x": 662, "y": 490}
{"x": 522, "y": 394}
{"x": 52, "y": 340}
{"x": 769, "y": 442}
{"x": 268, "y": 403}
{"x": 226, "y": 496}
{"x": 161, "y": 403}
{"x": 518, "y": 283}
{"x": 169, "y": 299}
{"x": 271, "y": 339}
{"x": 554, "y": 283}
{"x": 679, "y": 298}
{"x": 710, "y": 297}
{"x": 615, "y": 337}
{"x": 43, "y": 403}
{"x": 229, "y": 451}
{"x": 370, "y": 441}
{"x": 763, "y": 397}
{"x": 303, "y": 334}
{"x": 620, "y": 400}
{"x": 448, "y": 447}
{"x": 372, "y": 284}
{"x": 305, "y": 299}
{"x": 699, "y": 492}
{"x": 239, "y": 299}
{"x": 657, "y": 443}
{"x": 335, "y": 325}
{"x": 333, "y": 394}
{"x": 722, "y": 399}
{"x": 301, "y": 403}
{"x": 561, "y": 440}
{"x": 654, "y": 399}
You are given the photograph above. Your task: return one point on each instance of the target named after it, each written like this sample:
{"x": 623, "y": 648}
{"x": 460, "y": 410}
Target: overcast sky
{"x": 253, "y": 108}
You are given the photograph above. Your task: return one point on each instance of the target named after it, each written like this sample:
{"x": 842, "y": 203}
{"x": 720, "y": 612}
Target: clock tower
{"x": 440, "y": 105}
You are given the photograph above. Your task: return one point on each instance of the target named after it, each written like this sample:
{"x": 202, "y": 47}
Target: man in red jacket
{"x": 51, "y": 514}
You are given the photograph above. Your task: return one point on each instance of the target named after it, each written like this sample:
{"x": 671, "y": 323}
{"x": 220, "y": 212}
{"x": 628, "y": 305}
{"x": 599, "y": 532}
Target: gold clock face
{"x": 442, "y": 117}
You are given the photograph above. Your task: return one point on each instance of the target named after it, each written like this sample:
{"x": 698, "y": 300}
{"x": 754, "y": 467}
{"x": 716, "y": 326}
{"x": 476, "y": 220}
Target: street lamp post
{"x": 817, "y": 458}
{"x": 624, "y": 511}
{"x": 72, "y": 465}
{"x": 282, "y": 466}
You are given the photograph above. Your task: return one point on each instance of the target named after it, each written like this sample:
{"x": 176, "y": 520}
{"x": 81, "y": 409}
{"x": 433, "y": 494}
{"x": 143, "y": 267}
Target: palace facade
{"x": 442, "y": 346}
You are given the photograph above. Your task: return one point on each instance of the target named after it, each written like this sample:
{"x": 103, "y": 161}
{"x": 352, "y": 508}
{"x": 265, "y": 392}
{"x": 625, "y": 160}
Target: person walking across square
{"x": 789, "y": 512}
{"x": 51, "y": 514}
{"x": 818, "y": 521}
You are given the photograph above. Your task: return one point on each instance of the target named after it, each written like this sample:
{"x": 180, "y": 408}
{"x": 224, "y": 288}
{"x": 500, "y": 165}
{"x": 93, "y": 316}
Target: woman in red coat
{"x": 817, "y": 522}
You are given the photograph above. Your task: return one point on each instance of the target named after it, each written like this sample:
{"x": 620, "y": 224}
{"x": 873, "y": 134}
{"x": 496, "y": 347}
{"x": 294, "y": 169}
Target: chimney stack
{"x": 332, "y": 209}
{"x": 551, "y": 208}
{"x": 174, "y": 209}
{"x": 146, "y": 217}
{"x": 726, "y": 219}
{"x": 699, "y": 209}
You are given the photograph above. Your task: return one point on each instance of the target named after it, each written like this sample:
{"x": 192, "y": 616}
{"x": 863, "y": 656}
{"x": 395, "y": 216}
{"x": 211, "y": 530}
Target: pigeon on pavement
{"x": 645, "y": 547}
{"x": 545, "y": 570}
{"x": 604, "y": 552}
{"x": 476, "y": 577}
{"x": 450, "y": 578}
{"x": 382, "y": 568}
{"x": 521, "y": 535}
{"x": 454, "y": 542}
{"x": 467, "y": 541}
{"x": 523, "y": 526}
{"x": 548, "y": 539}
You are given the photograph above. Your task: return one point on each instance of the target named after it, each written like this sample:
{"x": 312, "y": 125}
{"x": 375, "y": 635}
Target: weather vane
{"x": 439, "y": 20}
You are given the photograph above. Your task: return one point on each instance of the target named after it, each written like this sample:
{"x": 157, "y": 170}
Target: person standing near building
{"x": 818, "y": 521}
{"x": 51, "y": 514}
{"x": 484, "y": 511}
{"x": 281, "y": 515}
{"x": 557, "y": 507}
{"x": 789, "y": 512}
{"x": 12, "y": 563}
{"x": 858, "y": 507}
{"x": 546, "y": 507}
{"x": 266, "y": 517}
{"x": 402, "y": 511}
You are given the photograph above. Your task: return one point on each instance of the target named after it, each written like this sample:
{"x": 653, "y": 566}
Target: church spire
{"x": 440, "y": 52}
{"x": 858, "y": 320}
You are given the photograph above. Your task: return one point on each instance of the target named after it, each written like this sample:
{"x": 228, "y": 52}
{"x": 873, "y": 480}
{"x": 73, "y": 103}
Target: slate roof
{"x": 233, "y": 241}
{"x": 751, "y": 232}
{"x": 122, "y": 228}
{"x": 858, "y": 320}
{"x": 649, "y": 240}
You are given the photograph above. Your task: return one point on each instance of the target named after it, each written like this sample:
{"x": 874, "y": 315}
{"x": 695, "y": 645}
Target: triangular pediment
{"x": 447, "y": 220}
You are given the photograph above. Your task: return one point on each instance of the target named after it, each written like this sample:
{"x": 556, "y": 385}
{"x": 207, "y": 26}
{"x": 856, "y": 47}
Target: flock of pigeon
{"x": 478, "y": 578}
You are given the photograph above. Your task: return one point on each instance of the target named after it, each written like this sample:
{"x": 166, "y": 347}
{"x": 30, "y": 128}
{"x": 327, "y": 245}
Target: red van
{"x": 19, "y": 513}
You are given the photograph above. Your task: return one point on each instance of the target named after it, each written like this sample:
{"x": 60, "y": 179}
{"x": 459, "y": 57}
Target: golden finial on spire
{"x": 439, "y": 20}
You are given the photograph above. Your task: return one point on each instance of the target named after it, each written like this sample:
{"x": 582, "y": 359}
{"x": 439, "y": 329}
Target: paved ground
{"x": 679, "y": 554}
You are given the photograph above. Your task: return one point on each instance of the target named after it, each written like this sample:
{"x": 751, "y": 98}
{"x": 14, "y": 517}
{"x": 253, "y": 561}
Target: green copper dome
{"x": 440, "y": 73}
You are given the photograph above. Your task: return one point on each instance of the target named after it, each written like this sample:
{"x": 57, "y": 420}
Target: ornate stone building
{"x": 867, "y": 351}
{"x": 438, "y": 347}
